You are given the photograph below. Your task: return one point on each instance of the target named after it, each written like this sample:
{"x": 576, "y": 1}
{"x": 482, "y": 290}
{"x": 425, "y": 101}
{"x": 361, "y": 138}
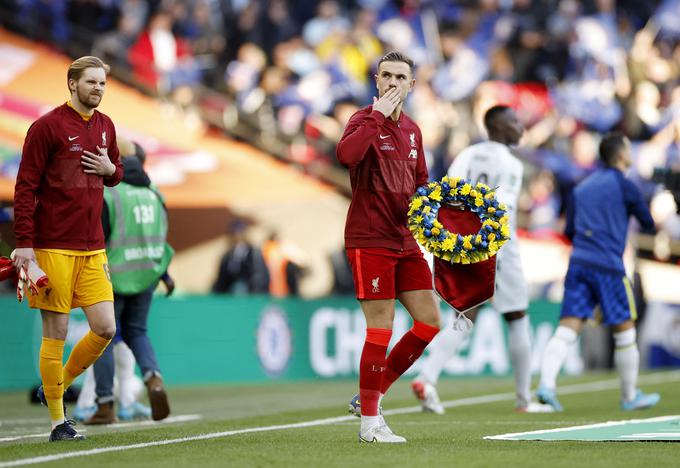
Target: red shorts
{"x": 383, "y": 273}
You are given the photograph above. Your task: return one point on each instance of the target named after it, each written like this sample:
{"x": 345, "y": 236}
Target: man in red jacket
{"x": 69, "y": 154}
{"x": 383, "y": 150}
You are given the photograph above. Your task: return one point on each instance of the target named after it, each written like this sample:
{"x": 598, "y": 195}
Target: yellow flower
{"x": 501, "y": 206}
{"x": 437, "y": 224}
{"x": 467, "y": 244}
{"x": 473, "y": 193}
{"x": 478, "y": 239}
{"x": 432, "y": 185}
{"x": 427, "y": 209}
{"x": 465, "y": 189}
{"x": 480, "y": 186}
{"x": 436, "y": 194}
{"x": 435, "y": 231}
{"x": 448, "y": 244}
{"x": 418, "y": 219}
{"x": 479, "y": 201}
{"x": 453, "y": 192}
{"x": 491, "y": 237}
{"x": 504, "y": 220}
{"x": 489, "y": 196}
{"x": 416, "y": 203}
{"x": 491, "y": 210}
{"x": 505, "y": 230}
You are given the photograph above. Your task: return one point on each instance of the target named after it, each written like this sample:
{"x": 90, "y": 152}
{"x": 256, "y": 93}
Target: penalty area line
{"x": 610, "y": 384}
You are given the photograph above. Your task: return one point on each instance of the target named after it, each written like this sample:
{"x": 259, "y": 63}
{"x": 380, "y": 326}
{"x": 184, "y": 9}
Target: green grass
{"x": 453, "y": 439}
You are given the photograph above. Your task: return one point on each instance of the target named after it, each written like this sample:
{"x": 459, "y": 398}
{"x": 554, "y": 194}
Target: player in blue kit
{"x": 597, "y": 224}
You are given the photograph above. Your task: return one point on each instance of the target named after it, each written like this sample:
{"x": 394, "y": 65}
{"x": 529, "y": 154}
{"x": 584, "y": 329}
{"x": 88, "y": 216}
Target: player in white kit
{"x": 492, "y": 163}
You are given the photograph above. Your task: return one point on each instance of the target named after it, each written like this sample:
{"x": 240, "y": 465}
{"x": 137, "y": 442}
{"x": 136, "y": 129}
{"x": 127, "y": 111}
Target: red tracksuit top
{"x": 386, "y": 164}
{"x": 56, "y": 204}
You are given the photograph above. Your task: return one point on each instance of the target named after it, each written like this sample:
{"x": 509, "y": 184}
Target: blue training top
{"x": 597, "y": 219}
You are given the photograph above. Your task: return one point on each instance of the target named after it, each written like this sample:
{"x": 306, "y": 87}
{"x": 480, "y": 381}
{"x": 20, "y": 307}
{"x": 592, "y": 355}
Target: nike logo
{"x": 72, "y": 138}
{"x": 382, "y": 137}
{"x": 60, "y": 383}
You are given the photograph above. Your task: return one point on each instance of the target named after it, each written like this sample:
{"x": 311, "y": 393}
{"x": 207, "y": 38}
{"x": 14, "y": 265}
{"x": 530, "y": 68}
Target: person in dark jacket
{"x": 242, "y": 268}
{"x": 134, "y": 221}
{"x": 597, "y": 224}
{"x": 383, "y": 150}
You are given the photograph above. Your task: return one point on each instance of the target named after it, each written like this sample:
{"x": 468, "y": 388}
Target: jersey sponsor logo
{"x": 382, "y": 137}
{"x": 375, "y": 283}
{"x": 386, "y": 147}
{"x": 73, "y": 138}
{"x": 76, "y": 148}
{"x": 412, "y": 137}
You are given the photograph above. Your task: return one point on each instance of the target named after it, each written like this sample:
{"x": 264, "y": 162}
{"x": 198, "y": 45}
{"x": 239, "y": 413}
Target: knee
{"x": 107, "y": 331}
{"x": 436, "y": 323}
{"x": 512, "y": 316}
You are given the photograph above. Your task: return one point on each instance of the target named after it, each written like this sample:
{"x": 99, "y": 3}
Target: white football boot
{"x": 427, "y": 394}
{"x": 380, "y": 434}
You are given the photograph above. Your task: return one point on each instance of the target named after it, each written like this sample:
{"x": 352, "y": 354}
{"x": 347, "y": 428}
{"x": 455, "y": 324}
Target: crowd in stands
{"x": 295, "y": 71}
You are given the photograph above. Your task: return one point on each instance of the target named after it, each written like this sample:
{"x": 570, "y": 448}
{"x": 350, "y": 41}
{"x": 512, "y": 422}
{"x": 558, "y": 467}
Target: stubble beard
{"x": 88, "y": 100}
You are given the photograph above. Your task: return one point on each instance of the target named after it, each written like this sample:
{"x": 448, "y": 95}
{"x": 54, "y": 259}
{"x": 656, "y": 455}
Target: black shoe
{"x": 65, "y": 431}
{"x": 40, "y": 395}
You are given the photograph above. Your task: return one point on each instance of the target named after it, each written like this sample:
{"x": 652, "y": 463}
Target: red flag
{"x": 463, "y": 286}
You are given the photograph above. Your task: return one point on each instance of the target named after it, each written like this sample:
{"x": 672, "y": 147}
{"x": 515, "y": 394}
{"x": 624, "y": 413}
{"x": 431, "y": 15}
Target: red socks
{"x": 405, "y": 353}
{"x": 372, "y": 369}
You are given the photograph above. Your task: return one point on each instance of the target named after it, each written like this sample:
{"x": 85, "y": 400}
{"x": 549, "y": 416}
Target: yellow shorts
{"x": 75, "y": 280}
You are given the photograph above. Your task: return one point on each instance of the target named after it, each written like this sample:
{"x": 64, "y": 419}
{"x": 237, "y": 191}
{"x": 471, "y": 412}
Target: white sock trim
{"x": 625, "y": 338}
{"x": 566, "y": 334}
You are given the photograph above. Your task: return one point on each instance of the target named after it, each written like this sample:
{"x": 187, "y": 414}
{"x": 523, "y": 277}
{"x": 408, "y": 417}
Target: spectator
{"x": 242, "y": 269}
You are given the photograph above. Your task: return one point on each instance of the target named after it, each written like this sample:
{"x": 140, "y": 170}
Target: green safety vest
{"x": 137, "y": 249}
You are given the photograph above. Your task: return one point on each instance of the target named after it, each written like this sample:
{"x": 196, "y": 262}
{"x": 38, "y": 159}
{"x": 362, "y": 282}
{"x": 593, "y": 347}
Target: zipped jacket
{"x": 386, "y": 165}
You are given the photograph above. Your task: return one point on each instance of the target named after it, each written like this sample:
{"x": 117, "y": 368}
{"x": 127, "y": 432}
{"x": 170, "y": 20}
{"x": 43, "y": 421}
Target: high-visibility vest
{"x": 276, "y": 263}
{"x": 136, "y": 248}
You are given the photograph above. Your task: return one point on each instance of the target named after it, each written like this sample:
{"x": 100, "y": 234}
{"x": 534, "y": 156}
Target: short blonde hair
{"x": 75, "y": 70}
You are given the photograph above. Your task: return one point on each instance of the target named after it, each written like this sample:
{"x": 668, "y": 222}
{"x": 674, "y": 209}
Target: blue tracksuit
{"x": 597, "y": 224}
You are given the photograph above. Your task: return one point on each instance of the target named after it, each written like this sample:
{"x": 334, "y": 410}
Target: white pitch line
{"x": 576, "y": 388}
{"x": 142, "y": 423}
{"x": 586, "y": 426}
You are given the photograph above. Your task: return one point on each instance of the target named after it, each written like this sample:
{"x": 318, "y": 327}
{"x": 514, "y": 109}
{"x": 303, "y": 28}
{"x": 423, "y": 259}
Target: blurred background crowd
{"x": 285, "y": 76}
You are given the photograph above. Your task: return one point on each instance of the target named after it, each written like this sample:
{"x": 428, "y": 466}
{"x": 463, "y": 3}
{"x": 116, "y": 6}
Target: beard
{"x": 90, "y": 100}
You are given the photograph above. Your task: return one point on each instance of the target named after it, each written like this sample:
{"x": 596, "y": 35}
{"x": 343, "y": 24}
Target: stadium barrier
{"x": 230, "y": 339}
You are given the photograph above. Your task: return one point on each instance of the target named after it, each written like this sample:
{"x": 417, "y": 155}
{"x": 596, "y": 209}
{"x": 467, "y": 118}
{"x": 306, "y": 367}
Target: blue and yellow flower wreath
{"x": 450, "y": 246}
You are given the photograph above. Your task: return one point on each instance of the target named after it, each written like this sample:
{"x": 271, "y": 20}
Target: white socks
{"x": 554, "y": 355}
{"x": 627, "y": 361}
{"x": 441, "y": 350}
{"x": 519, "y": 342}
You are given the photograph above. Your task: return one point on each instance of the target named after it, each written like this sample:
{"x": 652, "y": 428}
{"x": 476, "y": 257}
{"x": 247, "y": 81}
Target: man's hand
{"x": 22, "y": 257}
{"x": 387, "y": 102}
{"x": 169, "y": 284}
{"x": 99, "y": 164}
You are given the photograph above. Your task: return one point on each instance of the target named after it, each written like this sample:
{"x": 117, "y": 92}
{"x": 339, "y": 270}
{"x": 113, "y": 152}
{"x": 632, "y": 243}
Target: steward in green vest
{"x": 135, "y": 224}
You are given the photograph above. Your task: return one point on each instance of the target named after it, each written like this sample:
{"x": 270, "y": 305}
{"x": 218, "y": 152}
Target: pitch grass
{"x": 455, "y": 439}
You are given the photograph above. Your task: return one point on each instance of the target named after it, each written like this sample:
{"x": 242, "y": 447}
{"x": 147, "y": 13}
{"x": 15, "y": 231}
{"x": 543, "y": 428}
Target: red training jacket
{"x": 386, "y": 164}
{"x": 56, "y": 204}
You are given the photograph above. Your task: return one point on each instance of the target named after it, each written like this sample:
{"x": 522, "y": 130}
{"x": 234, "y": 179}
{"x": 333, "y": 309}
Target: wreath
{"x": 450, "y": 246}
